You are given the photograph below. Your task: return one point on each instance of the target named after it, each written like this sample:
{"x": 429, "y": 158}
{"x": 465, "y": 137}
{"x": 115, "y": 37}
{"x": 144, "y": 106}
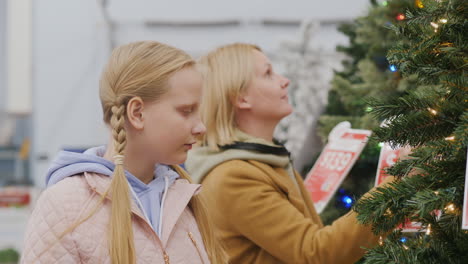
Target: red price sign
{"x": 336, "y": 160}
{"x": 465, "y": 200}
{"x": 387, "y": 158}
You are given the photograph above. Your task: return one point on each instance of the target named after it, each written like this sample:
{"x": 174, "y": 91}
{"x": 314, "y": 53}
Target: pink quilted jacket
{"x": 70, "y": 200}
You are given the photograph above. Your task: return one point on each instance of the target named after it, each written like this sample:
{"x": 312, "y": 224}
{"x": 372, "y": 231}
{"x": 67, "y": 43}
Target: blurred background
{"x": 52, "y": 53}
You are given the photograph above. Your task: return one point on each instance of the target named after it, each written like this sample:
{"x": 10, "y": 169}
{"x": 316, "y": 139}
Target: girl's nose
{"x": 199, "y": 129}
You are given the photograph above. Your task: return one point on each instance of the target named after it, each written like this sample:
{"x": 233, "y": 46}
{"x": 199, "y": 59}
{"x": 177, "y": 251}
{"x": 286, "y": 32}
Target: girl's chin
{"x": 177, "y": 160}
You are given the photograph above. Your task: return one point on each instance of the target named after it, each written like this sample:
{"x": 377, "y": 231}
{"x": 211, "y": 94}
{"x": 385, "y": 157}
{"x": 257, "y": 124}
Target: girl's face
{"x": 267, "y": 93}
{"x": 172, "y": 123}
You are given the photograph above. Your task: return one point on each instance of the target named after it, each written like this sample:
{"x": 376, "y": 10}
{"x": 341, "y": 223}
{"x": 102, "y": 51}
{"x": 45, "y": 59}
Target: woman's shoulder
{"x": 240, "y": 165}
{"x": 239, "y": 170}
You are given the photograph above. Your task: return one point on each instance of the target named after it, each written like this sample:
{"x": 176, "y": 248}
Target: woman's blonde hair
{"x": 227, "y": 72}
{"x": 140, "y": 69}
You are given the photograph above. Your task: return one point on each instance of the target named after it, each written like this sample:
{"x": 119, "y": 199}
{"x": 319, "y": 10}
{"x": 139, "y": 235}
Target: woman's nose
{"x": 284, "y": 82}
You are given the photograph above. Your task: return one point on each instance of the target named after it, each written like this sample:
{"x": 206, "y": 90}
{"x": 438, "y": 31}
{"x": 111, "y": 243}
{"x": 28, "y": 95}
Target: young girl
{"x": 256, "y": 199}
{"x": 128, "y": 202}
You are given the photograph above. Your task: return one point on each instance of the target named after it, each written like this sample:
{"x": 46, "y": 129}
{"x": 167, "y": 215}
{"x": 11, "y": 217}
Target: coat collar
{"x": 177, "y": 199}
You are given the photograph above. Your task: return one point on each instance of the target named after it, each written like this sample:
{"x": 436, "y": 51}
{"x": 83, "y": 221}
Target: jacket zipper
{"x": 196, "y": 246}
{"x": 166, "y": 257}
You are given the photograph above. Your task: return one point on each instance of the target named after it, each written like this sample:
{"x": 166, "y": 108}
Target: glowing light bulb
{"x": 393, "y": 68}
{"x": 434, "y": 112}
{"x": 419, "y": 4}
{"x": 400, "y": 17}
{"x": 450, "y": 207}
{"x": 443, "y": 20}
{"x": 348, "y": 201}
{"x": 450, "y": 138}
{"x": 428, "y": 230}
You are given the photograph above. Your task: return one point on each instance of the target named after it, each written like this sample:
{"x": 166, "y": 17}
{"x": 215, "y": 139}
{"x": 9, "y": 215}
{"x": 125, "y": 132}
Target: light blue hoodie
{"x": 149, "y": 197}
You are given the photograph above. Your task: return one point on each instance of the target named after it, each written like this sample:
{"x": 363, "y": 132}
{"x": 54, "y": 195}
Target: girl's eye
{"x": 187, "y": 111}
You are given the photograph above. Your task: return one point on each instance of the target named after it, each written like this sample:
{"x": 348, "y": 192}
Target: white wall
{"x": 2, "y": 54}
{"x": 18, "y": 39}
{"x": 250, "y": 9}
{"x": 70, "y": 46}
{"x": 68, "y": 53}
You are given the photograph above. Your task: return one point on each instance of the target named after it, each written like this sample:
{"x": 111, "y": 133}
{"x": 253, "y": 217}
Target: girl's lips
{"x": 189, "y": 146}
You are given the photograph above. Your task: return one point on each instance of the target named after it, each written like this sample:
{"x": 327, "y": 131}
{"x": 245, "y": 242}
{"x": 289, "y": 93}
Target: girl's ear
{"x": 135, "y": 112}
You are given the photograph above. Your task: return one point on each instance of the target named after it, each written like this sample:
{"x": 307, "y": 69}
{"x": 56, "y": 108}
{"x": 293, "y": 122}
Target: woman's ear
{"x": 135, "y": 112}
{"x": 243, "y": 101}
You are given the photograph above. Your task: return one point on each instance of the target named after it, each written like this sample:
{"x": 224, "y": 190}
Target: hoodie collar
{"x": 67, "y": 164}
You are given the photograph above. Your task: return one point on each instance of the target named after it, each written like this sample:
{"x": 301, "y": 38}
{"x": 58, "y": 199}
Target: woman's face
{"x": 267, "y": 93}
{"x": 172, "y": 123}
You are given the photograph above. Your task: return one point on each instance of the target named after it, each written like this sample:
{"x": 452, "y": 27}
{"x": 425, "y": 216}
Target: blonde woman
{"x": 258, "y": 202}
{"x": 127, "y": 202}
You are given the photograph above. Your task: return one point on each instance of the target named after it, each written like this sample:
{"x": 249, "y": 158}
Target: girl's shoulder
{"x": 71, "y": 184}
{"x": 68, "y": 195}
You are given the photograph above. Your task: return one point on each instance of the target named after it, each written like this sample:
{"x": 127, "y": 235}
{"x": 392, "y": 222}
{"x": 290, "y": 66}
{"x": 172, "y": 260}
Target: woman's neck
{"x": 137, "y": 166}
{"x": 256, "y": 128}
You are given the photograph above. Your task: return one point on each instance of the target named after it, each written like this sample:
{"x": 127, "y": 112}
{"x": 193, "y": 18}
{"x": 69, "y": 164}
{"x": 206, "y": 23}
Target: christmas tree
{"x": 431, "y": 117}
{"x": 366, "y": 74}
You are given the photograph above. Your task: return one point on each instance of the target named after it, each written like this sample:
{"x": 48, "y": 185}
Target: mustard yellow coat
{"x": 263, "y": 217}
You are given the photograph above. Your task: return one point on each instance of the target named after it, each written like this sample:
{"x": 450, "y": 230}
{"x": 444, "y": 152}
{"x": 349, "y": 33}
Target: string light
{"x": 443, "y": 20}
{"x": 428, "y": 230}
{"x": 381, "y": 144}
{"x": 451, "y": 138}
{"x": 436, "y": 193}
{"x": 385, "y": 3}
{"x": 403, "y": 239}
{"x": 434, "y": 25}
{"x": 419, "y": 3}
{"x": 400, "y": 17}
{"x": 348, "y": 201}
{"x": 434, "y": 112}
{"x": 405, "y": 247}
{"x": 388, "y": 212}
{"x": 450, "y": 208}
{"x": 393, "y": 68}
{"x": 380, "y": 241}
